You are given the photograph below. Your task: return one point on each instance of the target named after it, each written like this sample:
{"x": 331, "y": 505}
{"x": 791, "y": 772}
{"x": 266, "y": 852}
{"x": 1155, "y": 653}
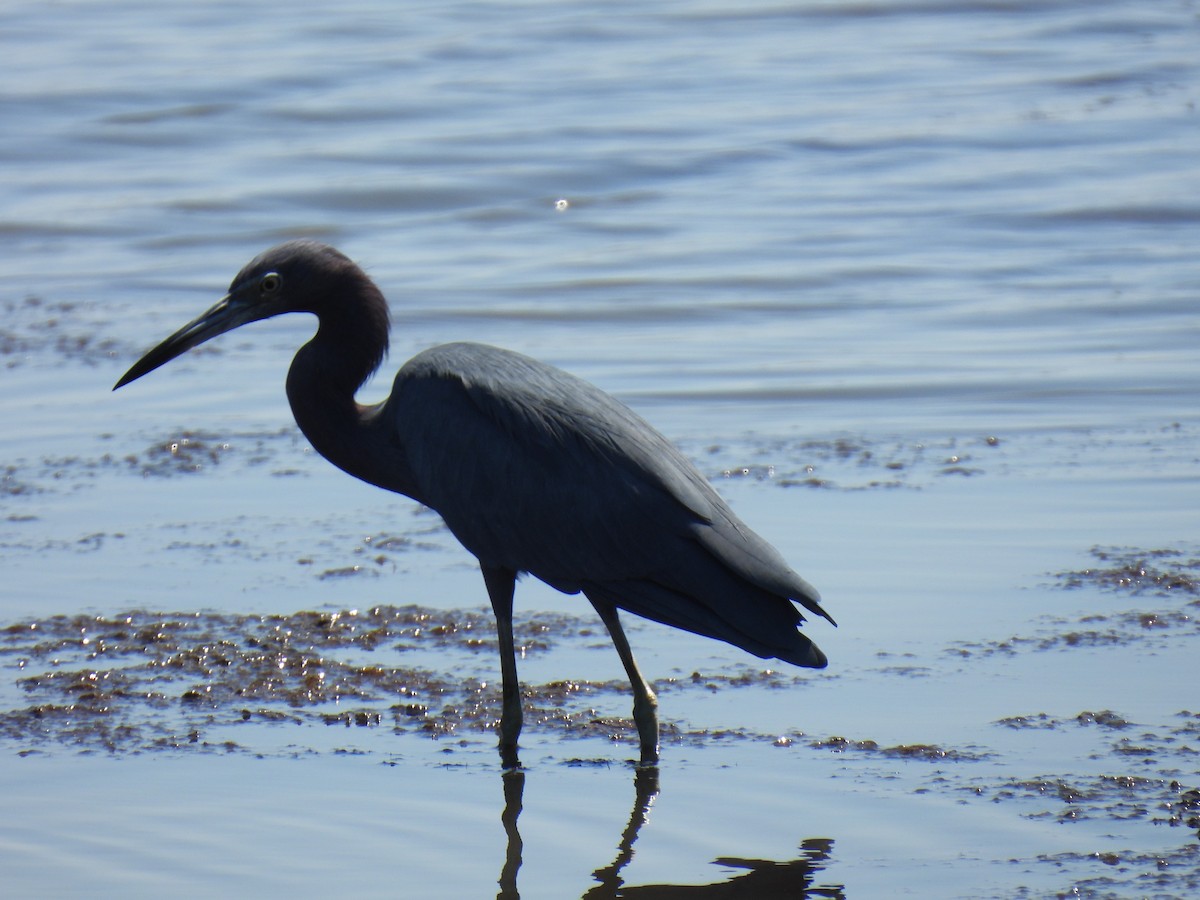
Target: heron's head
{"x": 298, "y": 276}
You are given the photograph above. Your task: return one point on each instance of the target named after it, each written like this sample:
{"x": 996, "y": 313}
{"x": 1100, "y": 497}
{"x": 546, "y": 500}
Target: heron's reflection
{"x": 514, "y": 789}
{"x": 762, "y": 878}
{"x": 609, "y": 881}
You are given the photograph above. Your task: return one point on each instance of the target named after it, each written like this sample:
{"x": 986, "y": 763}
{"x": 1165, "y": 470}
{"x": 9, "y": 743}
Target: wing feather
{"x": 538, "y": 471}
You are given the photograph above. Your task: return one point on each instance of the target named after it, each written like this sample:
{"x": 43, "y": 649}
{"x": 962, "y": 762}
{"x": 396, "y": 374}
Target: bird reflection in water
{"x": 532, "y": 469}
{"x": 763, "y": 879}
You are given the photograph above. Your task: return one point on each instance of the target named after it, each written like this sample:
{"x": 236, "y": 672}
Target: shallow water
{"x": 915, "y": 283}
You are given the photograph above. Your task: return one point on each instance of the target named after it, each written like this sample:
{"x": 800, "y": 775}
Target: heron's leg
{"x": 501, "y": 583}
{"x": 645, "y": 704}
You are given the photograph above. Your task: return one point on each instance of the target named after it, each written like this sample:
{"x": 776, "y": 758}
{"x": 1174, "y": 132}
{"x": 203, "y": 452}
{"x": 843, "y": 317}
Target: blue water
{"x": 894, "y": 228}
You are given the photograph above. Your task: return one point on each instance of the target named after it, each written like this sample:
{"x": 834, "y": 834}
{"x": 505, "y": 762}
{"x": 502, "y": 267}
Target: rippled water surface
{"x": 915, "y": 283}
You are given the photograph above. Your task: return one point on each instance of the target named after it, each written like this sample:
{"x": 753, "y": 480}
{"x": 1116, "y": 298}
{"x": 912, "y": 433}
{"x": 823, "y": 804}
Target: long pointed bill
{"x": 228, "y": 313}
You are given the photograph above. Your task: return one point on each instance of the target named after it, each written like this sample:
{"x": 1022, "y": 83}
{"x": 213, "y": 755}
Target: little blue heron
{"x": 532, "y": 469}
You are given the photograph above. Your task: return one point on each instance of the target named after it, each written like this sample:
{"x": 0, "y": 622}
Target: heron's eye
{"x": 271, "y": 283}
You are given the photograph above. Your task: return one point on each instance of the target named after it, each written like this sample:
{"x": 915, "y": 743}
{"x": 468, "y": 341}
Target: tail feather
{"x": 780, "y": 640}
{"x": 721, "y": 580}
{"x": 746, "y": 556}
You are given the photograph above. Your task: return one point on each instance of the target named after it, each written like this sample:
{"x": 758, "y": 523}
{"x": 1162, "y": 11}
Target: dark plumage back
{"x": 536, "y": 470}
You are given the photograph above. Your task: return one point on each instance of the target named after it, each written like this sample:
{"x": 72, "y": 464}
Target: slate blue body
{"x": 538, "y": 471}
